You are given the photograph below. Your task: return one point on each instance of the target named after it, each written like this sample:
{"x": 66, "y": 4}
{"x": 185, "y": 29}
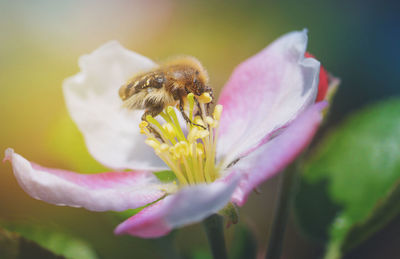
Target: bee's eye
{"x": 195, "y": 81}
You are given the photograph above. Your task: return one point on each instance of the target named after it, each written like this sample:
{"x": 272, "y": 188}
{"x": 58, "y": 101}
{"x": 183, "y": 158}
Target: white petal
{"x": 111, "y": 133}
{"x": 194, "y": 204}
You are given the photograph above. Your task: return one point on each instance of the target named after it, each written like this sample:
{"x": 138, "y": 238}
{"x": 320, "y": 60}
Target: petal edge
{"x": 272, "y": 157}
{"x": 265, "y": 93}
{"x": 116, "y": 191}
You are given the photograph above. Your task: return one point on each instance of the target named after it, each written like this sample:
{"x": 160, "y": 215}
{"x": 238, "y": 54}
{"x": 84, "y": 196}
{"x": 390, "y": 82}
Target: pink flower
{"x": 269, "y": 116}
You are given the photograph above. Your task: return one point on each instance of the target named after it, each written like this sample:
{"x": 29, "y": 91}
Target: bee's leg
{"x": 208, "y": 105}
{"x": 198, "y": 112}
{"x": 184, "y": 115}
{"x": 153, "y": 112}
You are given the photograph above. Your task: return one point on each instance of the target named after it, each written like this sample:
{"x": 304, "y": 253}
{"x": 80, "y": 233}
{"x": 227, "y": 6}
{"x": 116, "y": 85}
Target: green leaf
{"x": 37, "y": 238}
{"x": 202, "y": 254}
{"x": 14, "y": 246}
{"x": 350, "y": 185}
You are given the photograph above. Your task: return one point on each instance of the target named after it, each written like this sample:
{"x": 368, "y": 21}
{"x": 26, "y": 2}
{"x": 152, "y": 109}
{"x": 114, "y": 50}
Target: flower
{"x": 269, "y": 115}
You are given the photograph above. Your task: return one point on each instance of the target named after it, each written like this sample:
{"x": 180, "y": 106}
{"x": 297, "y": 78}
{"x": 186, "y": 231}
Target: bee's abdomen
{"x": 142, "y": 83}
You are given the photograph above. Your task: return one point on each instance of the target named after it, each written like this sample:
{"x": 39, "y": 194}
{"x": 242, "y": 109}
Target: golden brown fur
{"x": 166, "y": 85}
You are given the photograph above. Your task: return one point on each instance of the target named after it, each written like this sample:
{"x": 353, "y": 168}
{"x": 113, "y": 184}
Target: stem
{"x": 214, "y": 229}
{"x": 333, "y": 251}
{"x": 277, "y": 232}
{"x": 166, "y": 246}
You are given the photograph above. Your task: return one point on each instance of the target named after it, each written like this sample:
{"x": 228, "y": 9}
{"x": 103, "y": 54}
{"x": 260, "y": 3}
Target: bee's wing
{"x": 135, "y": 101}
{"x": 136, "y": 91}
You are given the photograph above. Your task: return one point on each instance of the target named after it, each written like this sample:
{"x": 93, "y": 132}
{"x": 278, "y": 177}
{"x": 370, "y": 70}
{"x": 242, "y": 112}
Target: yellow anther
{"x": 210, "y": 121}
{"x": 196, "y": 133}
{"x": 169, "y": 128}
{"x": 152, "y": 143}
{"x": 217, "y": 112}
{"x": 192, "y": 136}
{"x": 161, "y": 148}
{"x": 183, "y": 148}
{"x": 199, "y": 121}
{"x": 164, "y": 147}
{"x": 173, "y": 151}
{"x": 179, "y": 150}
{"x": 204, "y": 98}
{"x": 142, "y": 126}
{"x": 203, "y": 133}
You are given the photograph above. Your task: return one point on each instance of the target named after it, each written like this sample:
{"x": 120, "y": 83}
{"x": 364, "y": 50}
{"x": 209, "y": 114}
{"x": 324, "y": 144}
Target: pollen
{"x": 187, "y": 148}
{"x": 205, "y": 98}
{"x": 143, "y": 125}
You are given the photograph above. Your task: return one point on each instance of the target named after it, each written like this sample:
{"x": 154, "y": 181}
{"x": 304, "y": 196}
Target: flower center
{"x": 190, "y": 156}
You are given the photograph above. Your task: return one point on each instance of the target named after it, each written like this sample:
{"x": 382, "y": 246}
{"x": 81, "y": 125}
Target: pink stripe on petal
{"x": 189, "y": 205}
{"x": 97, "y": 181}
{"x": 265, "y": 93}
{"x": 97, "y": 192}
{"x": 275, "y": 155}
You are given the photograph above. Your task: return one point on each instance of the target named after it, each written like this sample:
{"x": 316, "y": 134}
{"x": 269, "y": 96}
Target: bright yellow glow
{"x": 192, "y": 156}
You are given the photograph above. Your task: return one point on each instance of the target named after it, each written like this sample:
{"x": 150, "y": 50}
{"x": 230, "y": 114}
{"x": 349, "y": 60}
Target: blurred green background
{"x": 41, "y": 41}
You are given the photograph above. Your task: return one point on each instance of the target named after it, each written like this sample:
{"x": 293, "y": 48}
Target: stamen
{"x": 204, "y": 98}
{"x": 190, "y": 98}
{"x": 171, "y": 112}
{"x": 143, "y": 125}
{"x": 199, "y": 121}
{"x": 164, "y": 135}
{"x": 171, "y": 131}
{"x": 196, "y": 133}
{"x": 152, "y": 143}
{"x": 191, "y": 157}
{"x": 217, "y": 112}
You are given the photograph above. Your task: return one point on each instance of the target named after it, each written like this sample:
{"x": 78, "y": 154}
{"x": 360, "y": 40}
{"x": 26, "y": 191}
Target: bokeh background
{"x": 40, "y": 42}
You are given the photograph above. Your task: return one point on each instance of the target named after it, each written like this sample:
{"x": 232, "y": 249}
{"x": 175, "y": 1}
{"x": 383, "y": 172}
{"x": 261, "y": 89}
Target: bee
{"x": 167, "y": 85}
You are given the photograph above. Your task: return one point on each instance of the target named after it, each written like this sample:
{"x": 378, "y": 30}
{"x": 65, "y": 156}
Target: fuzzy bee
{"x": 167, "y": 85}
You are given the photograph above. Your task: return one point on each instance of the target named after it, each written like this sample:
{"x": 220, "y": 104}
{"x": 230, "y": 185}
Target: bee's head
{"x": 198, "y": 85}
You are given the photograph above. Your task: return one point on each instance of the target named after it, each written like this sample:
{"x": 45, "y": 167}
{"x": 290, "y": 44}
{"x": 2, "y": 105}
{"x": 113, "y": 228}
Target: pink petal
{"x": 189, "y": 205}
{"x": 265, "y": 93}
{"x": 274, "y": 156}
{"x": 111, "y": 132}
{"x": 98, "y": 192}
{"x": 148, "y": 223}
